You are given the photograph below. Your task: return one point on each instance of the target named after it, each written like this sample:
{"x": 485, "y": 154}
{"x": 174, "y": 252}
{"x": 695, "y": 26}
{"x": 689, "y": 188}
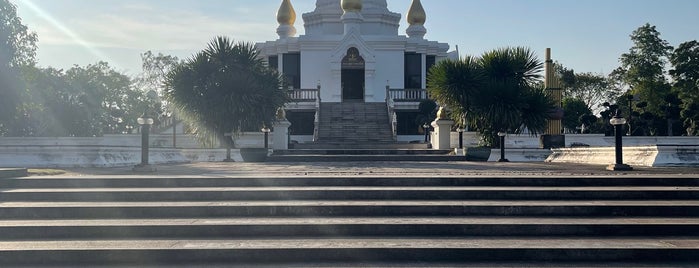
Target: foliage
{"x": 643, "y": 67}
{"x": 82, "y": 101}
{"x": 575, "y": 109}
{"x": 17, "y": 44}
{"x": 17, "y": 49}
{"x": 155, "y": 70}
{"x": 592, "y": 89}
{"x": 427, "y": 112}
{"x": 225, "y": 88}
{"x": 494, "y": 92}
{"x": 685, "y": 73}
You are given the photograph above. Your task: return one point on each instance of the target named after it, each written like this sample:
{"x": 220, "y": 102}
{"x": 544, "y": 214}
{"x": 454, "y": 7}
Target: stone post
{"x": 280, "y": 135}
{"x": 441, "y": 139}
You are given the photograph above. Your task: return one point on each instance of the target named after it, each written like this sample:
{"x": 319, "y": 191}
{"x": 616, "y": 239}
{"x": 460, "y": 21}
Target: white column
{"x": 280, "y": 136}
{"x": 442, "y": 134}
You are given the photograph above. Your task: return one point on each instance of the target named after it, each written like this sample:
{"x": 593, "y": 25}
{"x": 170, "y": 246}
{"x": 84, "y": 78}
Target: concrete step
{"x": 348, "y": 193}
{"x": 218, "y": 209}
{"x": 389, "y": 228}
{"x": 365, "y": 158}
{"x": 361, "y": 152}
{"x": 329, "y": 145}
{"x": 426, "y": 251}
{"x": 402, "y": 181}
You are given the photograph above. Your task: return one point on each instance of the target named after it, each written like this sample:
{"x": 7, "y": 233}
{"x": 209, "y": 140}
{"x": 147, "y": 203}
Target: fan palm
{"x": 225, "y": 88}
{"x": 495, "y": 92}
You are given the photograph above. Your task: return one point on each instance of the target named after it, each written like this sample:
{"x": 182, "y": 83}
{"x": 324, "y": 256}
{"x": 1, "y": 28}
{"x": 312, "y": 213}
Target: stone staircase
{"x": 354, "y": 123}
{"x": 350, "y": 222}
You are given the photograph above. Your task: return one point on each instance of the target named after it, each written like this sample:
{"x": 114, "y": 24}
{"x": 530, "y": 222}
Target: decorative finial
{"x": 441, "y": 114}
{"x": 286, "y": 16}
{"x": 416, "y": 20}
{"x": 416, "y": 14}
{"x": 281, "y": 114}
{"x": 351, "y": 5}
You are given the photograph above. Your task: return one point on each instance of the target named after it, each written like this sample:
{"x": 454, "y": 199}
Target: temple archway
{"x": 353, "y": 78}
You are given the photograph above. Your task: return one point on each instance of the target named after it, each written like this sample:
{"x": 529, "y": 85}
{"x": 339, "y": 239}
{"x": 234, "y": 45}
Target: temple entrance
{"x": 353, "y": 76}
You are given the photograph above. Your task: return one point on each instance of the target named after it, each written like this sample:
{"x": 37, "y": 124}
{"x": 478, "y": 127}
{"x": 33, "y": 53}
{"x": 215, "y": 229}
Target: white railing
{"x": 304, "y": 95}
{"x": 406, "y": 94}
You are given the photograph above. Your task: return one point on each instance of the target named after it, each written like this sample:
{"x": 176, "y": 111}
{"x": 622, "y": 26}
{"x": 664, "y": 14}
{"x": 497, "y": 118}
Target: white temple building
{"x": 352, "y": 76}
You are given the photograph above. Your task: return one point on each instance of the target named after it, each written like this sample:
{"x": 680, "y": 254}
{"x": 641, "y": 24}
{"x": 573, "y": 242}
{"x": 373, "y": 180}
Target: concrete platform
{"x": 13, "y": 172}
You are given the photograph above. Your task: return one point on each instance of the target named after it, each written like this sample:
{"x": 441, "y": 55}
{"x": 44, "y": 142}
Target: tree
{"x": 226, "y": 88}
{"x": 592, "y": 89}
{"x": 643, "y": 67}
{"x": 495, "y": 92}
{"x": 575, "y": 109}
{"x": 17, "y": 48}
{"x": 685, "y": 74}
{"x": 155, "y": 70}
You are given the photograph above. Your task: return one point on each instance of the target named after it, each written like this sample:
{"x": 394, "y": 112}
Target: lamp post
{"x": 266, "y": 130}
{"x": 426, "y": 128}
{"x": 617, "y": 121}
{"x": 502, "y": 134}
{"x": 461, "y": 137}
{"x": 145, "y": 121}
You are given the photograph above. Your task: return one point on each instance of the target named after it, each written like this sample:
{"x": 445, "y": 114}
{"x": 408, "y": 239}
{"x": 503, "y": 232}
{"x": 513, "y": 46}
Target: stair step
{"x": 652, "y": 249}
{"x": 288, "y": 228}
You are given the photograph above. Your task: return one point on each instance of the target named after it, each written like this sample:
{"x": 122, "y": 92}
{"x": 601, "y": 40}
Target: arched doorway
{"x": 352, "y": 76}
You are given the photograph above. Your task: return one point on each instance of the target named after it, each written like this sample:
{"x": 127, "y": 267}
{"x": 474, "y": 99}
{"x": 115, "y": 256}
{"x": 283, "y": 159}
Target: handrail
{"x": 407, "y": 94}
{"x": 392, "y": 117}
{"x": 316, "y": 120}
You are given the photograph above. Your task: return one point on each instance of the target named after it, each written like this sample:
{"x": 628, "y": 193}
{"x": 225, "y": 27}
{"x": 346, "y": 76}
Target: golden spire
{"x": 416, "y": 14}
{"x": 286, "y": 14}
{"x": 351, "y": 5}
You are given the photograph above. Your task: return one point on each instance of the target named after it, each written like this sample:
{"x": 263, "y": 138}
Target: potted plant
{"x": 226, "y": 88}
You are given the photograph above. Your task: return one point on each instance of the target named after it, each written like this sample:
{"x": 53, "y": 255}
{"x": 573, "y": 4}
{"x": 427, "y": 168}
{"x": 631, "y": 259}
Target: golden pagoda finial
{"x": 351, "y": 5}
{"x": 416, "y": 14}
{"x": 286, "y": 14}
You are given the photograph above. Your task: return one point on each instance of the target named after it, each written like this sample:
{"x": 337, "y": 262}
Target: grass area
{"x": 45, "y": 172}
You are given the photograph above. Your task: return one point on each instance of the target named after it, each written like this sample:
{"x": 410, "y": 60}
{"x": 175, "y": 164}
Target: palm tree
{"x": 225, "y": 88}
{"x": 497, "y": 91}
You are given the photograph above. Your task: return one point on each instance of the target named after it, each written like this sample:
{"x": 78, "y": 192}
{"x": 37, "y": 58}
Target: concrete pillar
{"x": 280, "y": 136}
{"x": 442, "y": 134}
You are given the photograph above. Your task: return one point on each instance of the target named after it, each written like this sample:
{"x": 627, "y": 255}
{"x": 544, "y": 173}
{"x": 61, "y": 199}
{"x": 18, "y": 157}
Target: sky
{"x": 585, "y": 35}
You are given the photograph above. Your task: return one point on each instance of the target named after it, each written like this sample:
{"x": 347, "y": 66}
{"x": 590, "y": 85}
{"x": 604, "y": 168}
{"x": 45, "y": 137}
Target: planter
{"x": 254, "y": 154}
{"x": 477, "y": 154}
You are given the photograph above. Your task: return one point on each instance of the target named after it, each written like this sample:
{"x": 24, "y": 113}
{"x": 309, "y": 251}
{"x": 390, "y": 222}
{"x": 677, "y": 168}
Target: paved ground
{"x": 385, "y": 169}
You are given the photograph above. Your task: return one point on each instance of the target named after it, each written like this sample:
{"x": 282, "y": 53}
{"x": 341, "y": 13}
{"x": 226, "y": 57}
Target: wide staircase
{"x": 350, "y": 222}
{"x": 358, "y": 131}
{"x": 354, "y": 123}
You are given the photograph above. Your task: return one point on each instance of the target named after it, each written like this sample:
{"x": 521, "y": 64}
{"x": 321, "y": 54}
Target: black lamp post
{"x": 461, "y": 137}
{"x": 617, "y": 121}
{"x": 426, "y": 128}
{"x": 145, "y": 121}
{"x": 502, "y": 134}
{"x": 266, "y": 130}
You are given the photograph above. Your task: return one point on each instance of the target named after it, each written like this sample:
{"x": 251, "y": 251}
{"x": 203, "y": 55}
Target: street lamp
{"x": 145, "y": 121}
{"x": 617, "y": 121}
{"x": 502, "y": 134}
{"x": 266, "y": 130}
{"x": 426, "y": 128}
{"x": 461, "y": 137}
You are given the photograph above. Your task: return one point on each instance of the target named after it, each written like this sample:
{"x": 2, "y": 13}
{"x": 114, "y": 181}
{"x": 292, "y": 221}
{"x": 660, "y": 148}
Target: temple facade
{"x": 353, "y": 60}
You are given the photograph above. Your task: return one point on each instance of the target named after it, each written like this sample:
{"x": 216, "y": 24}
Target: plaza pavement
{"x": 423, "y": 169}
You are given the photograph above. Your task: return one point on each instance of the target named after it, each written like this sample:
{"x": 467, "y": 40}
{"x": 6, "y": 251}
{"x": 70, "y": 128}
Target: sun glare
{"x": 57, "y": 25}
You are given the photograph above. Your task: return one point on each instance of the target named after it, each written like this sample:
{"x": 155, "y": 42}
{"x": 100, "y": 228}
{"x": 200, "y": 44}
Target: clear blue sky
{"x": 588, "y": 35}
